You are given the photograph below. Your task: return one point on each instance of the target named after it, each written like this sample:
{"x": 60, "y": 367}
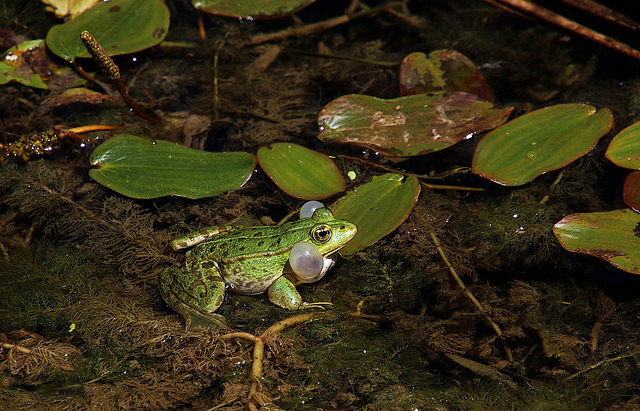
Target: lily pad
{"x": 442, "y": 70}
{"x": 613, "y": 236}
{"x": 631, "y": 191}
{"x": 377, "y": 208}
{"x": 141, "y": 168}
{"x": 257, "y": 9}
{"x": 540, "y": 141}
{"x": 408, "y": 126}
{"x": 121, "y": 27}
{"x": 624, "y": 149}
{"x": 301, "y": 172}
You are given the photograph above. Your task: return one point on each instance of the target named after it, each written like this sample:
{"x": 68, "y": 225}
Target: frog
{"x": 249, "y": 261}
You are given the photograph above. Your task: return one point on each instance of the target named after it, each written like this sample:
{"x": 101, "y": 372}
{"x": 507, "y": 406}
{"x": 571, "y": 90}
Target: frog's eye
{"x": 321, "y": 234}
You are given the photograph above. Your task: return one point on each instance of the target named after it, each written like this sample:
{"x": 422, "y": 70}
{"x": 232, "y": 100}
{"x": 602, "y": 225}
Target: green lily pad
{"x": 301, "y": 172}
{"x": 442, "y": 70}
{"x": 624, "y": 149}
{"x": 408, "y": 126}
{"x": 377, "y": 208}
{"x": 613, "y": 236}
{"x": 257, "y": 9}
{"x": 121, "y": 27}
{"x": 540, "y": 141}
{"x": 141, "y": 168}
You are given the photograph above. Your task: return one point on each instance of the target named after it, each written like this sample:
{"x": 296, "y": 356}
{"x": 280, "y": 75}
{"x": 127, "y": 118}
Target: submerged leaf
{"x": 408, "y": 126}
{"x": 442, "y": 70}
{"x": 301, "y": 172}
{"x": 255, "y": 9}
{"x": 613, "y": 236}
{"x": 121, "y": 27}
{"x": 540, "y": 141}
{"x": 141, "y": 168}
{"x": 377, "y": 208}
{"x": 29, "y": 64}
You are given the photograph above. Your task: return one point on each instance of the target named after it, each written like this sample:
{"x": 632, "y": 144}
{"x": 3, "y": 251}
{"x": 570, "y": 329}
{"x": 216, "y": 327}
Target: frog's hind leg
{"x": 195, "y": 297}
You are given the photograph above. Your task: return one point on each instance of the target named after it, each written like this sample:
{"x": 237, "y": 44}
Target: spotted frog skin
{"x": 247, "y": 260}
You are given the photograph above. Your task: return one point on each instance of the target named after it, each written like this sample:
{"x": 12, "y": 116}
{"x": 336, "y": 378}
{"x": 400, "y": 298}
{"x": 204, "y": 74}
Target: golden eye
{"x": 321, "y": 234}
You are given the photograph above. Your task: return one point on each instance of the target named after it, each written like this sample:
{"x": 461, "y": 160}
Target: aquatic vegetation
{"x": 80, "y": 262}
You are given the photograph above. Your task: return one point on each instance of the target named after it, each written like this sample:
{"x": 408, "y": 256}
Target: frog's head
{"x": 328, "y": 233}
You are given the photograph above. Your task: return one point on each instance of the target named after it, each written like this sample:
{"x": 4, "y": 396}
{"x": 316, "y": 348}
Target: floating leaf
{"x": 613, "y": 236}
{"x": 121, "y": 27}
{"x": 377, "y": 208}
{"x": 256, "y": 9}
{"x": 631, "y": 191}
{"x": 301, "y": 172}
{"x": 624, "y": 149}
{"x": 540, "y": 141}
{"x": 29, "y": 64}
{"x": 71, "y": 8}
{"x": 141, "y": 168}
{"x": 442, "y": 70}
{"x": 408, "y": 126}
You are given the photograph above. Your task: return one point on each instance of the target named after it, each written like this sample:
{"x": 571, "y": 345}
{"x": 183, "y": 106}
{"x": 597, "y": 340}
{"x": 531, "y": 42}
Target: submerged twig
{"x": 469, "y": 294}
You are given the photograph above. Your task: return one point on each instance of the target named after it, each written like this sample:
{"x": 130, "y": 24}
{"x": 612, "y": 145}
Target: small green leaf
{"x": 540, "y": 141}
{"x": 251, "y": 8}
{"x": 20, "y": 63}
{"x": 613, "y": 236}
{"x": 408, "y": 126}
{"x": 301, "y": 172}
{"x": 377, "y": 208}
{"x": 141, "y": 168}
{"x": 121, "y": 27}
{"x": 624, "y": 149}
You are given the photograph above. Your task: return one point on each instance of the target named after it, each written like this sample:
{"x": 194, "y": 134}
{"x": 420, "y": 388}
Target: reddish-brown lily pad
{"x": 631, "y": 191}
{"x": 442, "y": 70}
{"x": 612, "y": 236}
{"x": 408, "y": 126}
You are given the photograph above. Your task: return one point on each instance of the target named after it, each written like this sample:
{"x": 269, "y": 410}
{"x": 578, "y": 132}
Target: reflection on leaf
{"x": 408, "y": 126}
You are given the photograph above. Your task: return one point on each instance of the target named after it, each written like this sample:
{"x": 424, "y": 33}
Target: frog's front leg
{"x": 200, "y": 236}
{"x": 284, "y": 294}
{"x": 195, "y": 292}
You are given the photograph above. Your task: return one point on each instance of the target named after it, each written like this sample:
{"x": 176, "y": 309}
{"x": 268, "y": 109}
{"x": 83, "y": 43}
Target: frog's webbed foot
{"x": 321, "y": 305}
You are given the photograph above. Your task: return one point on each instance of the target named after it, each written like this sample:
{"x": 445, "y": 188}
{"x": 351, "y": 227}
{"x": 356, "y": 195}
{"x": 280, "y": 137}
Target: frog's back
{"x": 250, "y": 258}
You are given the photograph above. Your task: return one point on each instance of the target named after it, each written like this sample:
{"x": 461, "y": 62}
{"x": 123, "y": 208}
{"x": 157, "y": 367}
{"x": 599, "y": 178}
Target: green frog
{"x": 247, "y": 260}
